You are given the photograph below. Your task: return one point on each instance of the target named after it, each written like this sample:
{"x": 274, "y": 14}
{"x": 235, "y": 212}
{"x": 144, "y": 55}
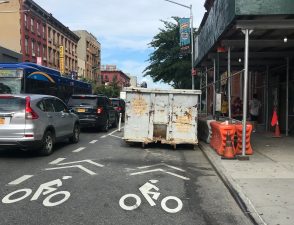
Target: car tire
{"x": 47, "y": 144}
{"x": 105, "y": 127}
{"x": 75, "y": 135}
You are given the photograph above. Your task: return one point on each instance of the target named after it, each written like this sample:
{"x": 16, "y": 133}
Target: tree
{"x": 167, "y": 63}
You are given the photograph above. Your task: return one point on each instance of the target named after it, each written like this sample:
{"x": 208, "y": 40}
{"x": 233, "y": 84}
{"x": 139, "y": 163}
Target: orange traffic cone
{"x": 277, "y": 131}
{"x": 229, "y": 152}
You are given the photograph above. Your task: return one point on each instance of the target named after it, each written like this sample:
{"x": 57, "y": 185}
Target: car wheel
{"x": 47, "y": 144}
{"x": 75, "y": 135}
{"x": 106, "y": 126}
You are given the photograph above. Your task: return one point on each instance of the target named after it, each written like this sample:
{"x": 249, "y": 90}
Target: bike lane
{"x": 173, "y": 187}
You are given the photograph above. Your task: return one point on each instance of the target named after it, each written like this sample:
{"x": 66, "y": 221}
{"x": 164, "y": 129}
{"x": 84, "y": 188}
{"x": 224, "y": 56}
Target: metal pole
{"x": 201, "y": 93}
{"x": 245, "y": 91}
{"x": 206, "y": 98}
{"x": 287, "y": 98}
{"x": 192, "y": 47}
{"x": 229, "y": 82}
{"x": 214, "y": 100}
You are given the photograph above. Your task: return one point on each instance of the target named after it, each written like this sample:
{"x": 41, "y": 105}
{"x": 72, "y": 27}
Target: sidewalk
{"x": 265, "y": 183}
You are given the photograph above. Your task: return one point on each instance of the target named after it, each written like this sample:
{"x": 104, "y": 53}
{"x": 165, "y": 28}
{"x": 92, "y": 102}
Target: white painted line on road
{"x": 20, "y": 180}
{"x": 56, "y": 161}
{"x": 161, "y": 164}
{"x": 147, "y": 171}
{"x": 78, "y": 166}
{"x": 93, "y": 142}
{"x": 86, "y": 160}
{"x": 79, "y": 149}
{"x": 177, "y": 175}
{"x": 115, "y": 136}
{"x": 104, "y": 136}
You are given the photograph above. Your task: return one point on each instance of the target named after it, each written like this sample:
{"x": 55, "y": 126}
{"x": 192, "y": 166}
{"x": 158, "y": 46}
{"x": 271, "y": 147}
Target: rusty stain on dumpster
{"x": 184, "y": 123}
{"x": 139, "y": 106}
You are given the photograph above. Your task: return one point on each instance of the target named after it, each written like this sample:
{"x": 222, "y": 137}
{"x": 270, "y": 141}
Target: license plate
{"x": 2, "y": 120}
{"x": 81, "y": 110}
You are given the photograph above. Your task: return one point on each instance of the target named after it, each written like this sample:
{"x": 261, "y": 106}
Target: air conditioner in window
{"x": 33, "y": 54}
{"x": 44, "y": 58}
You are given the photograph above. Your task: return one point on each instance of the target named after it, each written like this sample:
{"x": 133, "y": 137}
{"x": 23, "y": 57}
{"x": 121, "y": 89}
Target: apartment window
{"x": 54, "y": 37}
{"x": 27, "y": 46}
{"x": 26, "y": 20}
{"x": 61, "y": 40}
{"x": 49, "y": 34}
{"x": 33, "y": 48}
{"x": 54, "y": 57}
{"x": 43, "y": 33}
{"x": 58, "y": 39}
{"x": 50, "y": 55}
{"x": 38, "y": 28}
{"x": 32, "y": 24}
{"x": 38, "y": 50}
{"x": 44, "y": 51}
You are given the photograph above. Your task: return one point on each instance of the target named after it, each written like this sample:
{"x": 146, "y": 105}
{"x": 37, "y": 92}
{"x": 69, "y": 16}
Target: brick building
{"x": 110, "y": 74}
{"x": 37, "y": 35}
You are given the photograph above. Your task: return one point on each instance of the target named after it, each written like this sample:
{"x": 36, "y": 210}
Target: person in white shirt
{"x": 254, "y": 108}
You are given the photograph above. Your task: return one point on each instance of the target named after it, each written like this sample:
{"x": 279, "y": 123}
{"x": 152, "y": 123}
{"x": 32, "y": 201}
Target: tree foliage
{"x": 167, "y": 63}
{"x": 112, "y": 90}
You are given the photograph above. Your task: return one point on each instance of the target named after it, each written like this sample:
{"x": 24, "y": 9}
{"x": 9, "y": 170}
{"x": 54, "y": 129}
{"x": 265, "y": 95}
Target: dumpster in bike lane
{"x": 165, "y": 116}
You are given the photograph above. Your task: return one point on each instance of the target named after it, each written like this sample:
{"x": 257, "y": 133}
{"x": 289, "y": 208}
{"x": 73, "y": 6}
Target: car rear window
{"x": 8, "y": 104}
{"x": 115, "y": 102}
{"x": 82, "y": 100}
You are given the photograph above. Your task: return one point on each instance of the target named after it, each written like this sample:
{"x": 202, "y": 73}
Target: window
{"x": 27, "y": 46}
{"x": 32, "y": 25}
{"x": 38, "y": 50}
{"x": 33, "y": 47}
{"x": 26, "y": 20}
{"x": 38, "y": 28}
{"x": 44, "y": 51}
{"x": 44, "y": 34}
{"x": 49, "y": 105}
{"x": 59, "y": 106}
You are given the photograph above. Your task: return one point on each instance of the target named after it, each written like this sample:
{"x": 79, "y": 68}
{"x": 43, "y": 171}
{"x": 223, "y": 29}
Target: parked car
{"x": 120, "y": 106}
{"x": 94, "y": 111}
{"x": 36, "y": 122}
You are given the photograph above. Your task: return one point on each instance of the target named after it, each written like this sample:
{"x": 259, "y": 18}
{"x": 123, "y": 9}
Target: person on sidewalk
{"x": 224, "y": 107}
{"x": 254, "y": 108}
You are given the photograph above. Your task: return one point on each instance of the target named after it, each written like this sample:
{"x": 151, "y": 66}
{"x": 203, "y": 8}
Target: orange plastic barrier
{"x": 219, "y": 135}
{"x": 248, "y": 150}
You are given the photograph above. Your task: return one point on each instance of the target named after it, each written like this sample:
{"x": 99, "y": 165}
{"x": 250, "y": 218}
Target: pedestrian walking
{"x": 254, "y": 108}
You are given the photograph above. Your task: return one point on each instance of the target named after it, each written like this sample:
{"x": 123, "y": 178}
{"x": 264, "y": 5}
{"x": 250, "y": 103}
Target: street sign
{"x": 61, "y": 59}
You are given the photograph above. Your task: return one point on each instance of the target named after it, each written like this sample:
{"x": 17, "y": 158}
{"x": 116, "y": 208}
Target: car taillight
{"x": 99, "y": 110}
{"x": 30, "y": 113}
{"x": 119, "y": 108}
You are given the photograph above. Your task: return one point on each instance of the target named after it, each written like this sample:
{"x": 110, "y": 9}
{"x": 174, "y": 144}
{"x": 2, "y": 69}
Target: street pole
{"x": 192, "y": 37}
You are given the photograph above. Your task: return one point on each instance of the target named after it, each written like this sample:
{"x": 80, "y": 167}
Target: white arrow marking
{"x": 86, "y": 160}
{"x": 56, "y": 161}
{"x": 104, "y": 136}
{"x": 78, "y": 166}
{"x": 162, "y": 164}
{"x": 160, "y": 170}
{"x": 20, "y": 180}
{"x": 79, "y": 149}
{"x": 177, "y": 175}
{"x": 93, "y": 142}
{"x": 115, "y": 136}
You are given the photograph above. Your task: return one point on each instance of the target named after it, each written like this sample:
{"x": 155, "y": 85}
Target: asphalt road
{"x": 89, "y": 183}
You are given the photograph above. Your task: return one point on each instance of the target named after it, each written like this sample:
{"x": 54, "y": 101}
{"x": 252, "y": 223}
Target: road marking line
{"x": 94, "y": 141}
{"x": 147, "y": 171}
{"x": 161, "y": 164}
{"x": 86, "y": 160}
{"x": 177, "y": 175}
{"x": 104, "y": 136}
{"x": 56, "y": 161}
{"x": 79, "y": 149}
{"x": 115, "y": 136}
{"x": 78, "y": 166}
{"x": 20, "y": 180}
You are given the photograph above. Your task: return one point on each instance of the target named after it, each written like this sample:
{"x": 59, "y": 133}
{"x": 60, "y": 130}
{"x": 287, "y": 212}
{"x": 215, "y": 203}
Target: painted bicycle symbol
{"x": 47, "y": 188}
{"x": 150, "y": 195}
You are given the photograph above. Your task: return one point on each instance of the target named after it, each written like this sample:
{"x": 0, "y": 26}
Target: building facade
{"x": 110, "y": 74}
{"x": 89, "y": 56}
{"x": 8, "y": 56}
{"x": 37, "y": 35}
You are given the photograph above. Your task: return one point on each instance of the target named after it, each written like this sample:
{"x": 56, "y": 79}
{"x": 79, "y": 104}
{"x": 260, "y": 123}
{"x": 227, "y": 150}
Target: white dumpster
{"x": 166, "y": 116}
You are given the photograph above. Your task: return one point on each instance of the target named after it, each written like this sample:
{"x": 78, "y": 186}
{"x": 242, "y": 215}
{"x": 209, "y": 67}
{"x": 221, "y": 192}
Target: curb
{"x": 235, "y": 190}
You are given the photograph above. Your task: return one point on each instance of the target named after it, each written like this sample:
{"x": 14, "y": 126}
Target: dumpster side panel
{"x": 138, "y": 107}
{"x": 184, "y": 119}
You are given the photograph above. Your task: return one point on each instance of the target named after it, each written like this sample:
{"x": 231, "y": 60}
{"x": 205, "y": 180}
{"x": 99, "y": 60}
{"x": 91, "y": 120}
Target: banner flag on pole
{"x": 184, "y": 31}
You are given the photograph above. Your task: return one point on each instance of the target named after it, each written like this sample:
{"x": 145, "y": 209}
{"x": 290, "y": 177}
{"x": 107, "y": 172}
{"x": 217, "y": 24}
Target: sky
{"x": 123, "y": 28}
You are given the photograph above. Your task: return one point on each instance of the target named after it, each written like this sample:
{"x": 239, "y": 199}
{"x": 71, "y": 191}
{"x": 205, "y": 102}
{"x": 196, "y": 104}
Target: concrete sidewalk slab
{"x": 265, "y": 182}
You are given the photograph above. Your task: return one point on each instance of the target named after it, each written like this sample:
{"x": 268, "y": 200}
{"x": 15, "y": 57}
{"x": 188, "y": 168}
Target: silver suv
{"x": 36, "y": 122}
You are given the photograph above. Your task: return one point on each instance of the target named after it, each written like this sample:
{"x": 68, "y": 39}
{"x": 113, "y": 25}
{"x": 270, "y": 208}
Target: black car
{"x": 94, "y": 111}
{"x": 120, "y": 106}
